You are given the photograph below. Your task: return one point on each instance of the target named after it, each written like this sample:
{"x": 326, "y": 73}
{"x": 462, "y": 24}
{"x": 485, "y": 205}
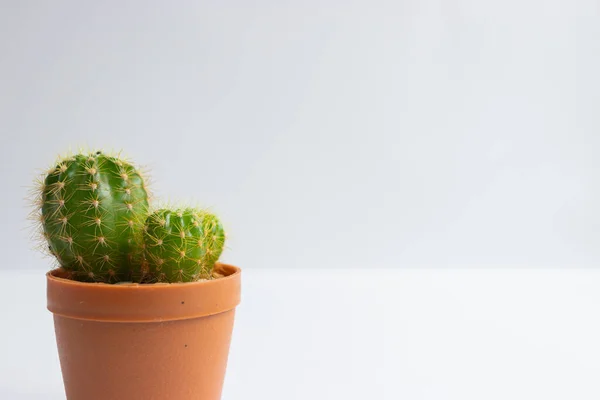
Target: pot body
{"x": 130, "y": 342}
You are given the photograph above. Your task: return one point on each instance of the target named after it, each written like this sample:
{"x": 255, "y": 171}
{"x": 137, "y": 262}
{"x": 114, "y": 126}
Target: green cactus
{"x": 93, "y": 208}
{"x": 182, "y": 245}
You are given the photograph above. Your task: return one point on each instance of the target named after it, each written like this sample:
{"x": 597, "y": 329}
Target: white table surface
{"x": 376, "y": 334}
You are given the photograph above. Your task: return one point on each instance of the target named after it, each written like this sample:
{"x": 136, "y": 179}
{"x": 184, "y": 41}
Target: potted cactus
{"x": 142, "y": 307}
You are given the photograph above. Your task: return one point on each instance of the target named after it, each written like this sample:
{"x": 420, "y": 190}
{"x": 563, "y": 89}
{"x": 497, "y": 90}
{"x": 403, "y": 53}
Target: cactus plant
{"x": 93, "y": 212}
{"x": 93, "y": 207}
{"x": 182, "y": 244}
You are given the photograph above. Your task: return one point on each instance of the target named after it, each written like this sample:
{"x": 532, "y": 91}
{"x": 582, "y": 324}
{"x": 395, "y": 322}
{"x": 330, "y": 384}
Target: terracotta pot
{"x": 144, "y": 342}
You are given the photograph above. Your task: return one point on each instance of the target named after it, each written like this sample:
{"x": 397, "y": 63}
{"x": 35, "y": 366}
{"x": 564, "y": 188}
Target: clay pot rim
{"x": 155, "y": 302}
{"x": 52, "y": 275}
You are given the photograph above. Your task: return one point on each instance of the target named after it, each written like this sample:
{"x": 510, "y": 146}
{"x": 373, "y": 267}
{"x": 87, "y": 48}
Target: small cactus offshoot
{"x": 93, "y": 207}
{"x": 182, "y": 245}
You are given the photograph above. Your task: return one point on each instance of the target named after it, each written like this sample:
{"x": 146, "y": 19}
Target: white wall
{"x": 325, "y": 133}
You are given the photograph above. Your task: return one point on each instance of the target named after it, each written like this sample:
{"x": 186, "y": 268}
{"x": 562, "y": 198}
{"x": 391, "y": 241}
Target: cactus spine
{"x": 182, "y": 245}
{"x": 93, "y": 208}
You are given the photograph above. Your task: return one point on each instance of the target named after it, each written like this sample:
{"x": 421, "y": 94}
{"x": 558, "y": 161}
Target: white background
{"x": 346, "y": 145}
{"x": 324, "y": 133}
